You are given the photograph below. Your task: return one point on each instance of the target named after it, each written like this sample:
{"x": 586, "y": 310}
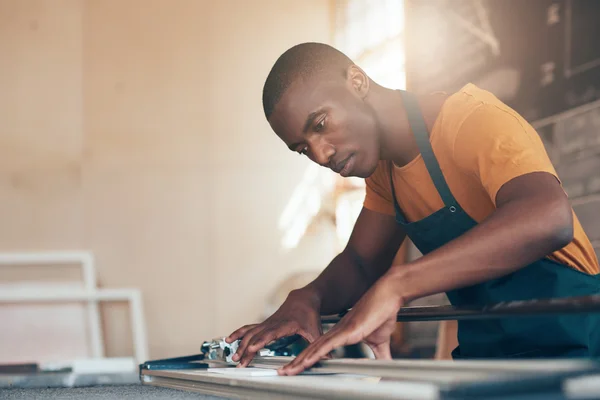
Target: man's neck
{"x": 397, "y": 141}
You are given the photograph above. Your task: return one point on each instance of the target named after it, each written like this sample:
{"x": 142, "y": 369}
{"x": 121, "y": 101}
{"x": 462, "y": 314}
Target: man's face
{"x": 328, "y": 120}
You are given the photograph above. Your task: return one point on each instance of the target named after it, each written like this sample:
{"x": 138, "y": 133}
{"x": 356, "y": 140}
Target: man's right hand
{"x": 299, "y": 314}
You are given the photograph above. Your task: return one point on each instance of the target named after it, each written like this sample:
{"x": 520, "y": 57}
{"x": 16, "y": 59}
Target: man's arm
{"x": 369, "y": 253}
{"x": 533, "y": 219}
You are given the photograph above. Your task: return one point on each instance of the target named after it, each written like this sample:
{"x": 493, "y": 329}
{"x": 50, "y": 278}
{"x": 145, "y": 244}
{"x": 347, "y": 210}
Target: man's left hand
{"x": 371, "y": 320}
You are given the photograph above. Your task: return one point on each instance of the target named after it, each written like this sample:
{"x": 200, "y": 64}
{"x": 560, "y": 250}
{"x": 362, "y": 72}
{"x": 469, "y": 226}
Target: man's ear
{"x": 358, "y": 80}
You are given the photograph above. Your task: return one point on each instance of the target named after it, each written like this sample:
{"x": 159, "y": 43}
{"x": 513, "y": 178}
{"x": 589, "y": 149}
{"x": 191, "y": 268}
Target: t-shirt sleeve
{"x": 497, "y": 145}
{"x": 378, "y": 195}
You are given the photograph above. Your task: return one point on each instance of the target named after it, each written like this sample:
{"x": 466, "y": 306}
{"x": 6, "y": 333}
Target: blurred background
{"x": 145, "y": 204}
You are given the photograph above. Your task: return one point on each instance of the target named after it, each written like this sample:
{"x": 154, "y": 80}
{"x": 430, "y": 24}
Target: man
{"x": 465, "y": 177}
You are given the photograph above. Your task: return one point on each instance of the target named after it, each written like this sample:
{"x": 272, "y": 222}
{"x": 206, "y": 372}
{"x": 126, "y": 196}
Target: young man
{"x": 465, "y": 177}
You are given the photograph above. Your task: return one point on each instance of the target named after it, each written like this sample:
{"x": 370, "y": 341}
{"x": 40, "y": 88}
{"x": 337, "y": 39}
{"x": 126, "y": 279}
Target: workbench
{"x": 368, "y": 379}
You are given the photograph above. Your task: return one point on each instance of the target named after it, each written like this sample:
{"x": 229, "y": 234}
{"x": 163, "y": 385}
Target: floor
{"x": 125, "y": 392}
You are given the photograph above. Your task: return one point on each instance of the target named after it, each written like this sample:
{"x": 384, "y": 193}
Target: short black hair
{"x": 300, "y": 61}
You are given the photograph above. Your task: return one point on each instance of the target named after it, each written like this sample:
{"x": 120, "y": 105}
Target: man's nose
{"x": 323, "y": 152}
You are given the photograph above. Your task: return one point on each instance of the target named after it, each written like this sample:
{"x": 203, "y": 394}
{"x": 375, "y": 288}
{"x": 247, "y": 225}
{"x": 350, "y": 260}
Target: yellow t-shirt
{"x": 480, "y": 144}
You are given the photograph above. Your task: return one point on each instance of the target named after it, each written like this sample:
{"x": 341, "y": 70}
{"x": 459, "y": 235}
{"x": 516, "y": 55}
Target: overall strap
{"x": 399, "y": 214}
{"x": 417, "y": 124}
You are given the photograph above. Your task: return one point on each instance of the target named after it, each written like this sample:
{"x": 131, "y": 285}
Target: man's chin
{"x": 363, "y": 173}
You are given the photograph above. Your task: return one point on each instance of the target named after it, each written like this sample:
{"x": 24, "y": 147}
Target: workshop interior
{"x": 148, "y": 210}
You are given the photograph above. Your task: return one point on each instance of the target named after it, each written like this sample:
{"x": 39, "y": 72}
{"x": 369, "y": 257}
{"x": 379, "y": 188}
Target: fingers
{"x": 239, "y": 333}
{"x": 246, "y": 339}
{"x": 265, "y": 337}
{"x": 258, "y": 341}
{"x": 259, "y": 336}
{"x": 246, "y": 358}
{"x": 316, "y": 351}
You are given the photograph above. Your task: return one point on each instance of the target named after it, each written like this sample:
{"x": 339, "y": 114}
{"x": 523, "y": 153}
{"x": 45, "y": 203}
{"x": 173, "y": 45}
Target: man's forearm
{"x": 514, "y": 236}
{"x": 372, "y": 246}
{"x": 341, "y": 284}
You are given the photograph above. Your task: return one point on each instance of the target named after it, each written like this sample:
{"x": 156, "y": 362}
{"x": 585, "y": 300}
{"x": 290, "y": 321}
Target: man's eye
{"x": 302, "y": 151}
{"x": 320, "y": 126}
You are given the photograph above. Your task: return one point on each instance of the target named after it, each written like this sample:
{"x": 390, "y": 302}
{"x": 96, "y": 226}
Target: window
{"x": 371, "y": 33}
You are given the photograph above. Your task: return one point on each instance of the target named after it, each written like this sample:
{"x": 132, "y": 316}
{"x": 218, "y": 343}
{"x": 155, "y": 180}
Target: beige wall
{"x": 254, "y": 173}
{"x": 134, "y": 129}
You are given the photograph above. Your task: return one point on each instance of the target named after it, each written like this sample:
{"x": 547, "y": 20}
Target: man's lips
{"x": 348, "y": 167}
{"x": 345, "y": 167}
{"x": 340, "y": 166}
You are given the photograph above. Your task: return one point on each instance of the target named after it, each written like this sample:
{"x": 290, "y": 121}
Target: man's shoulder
{"x": 473, "y": 92}
{"x": 471, "y": 97}
{"x": 474, "y": 103}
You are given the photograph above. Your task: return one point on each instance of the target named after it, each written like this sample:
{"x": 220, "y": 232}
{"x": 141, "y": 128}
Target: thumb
{"x": 381, "y": 350}
{"x": 312, "y": 331}
{"x": 379, "y": 341}
{"x": 310, "y": 334}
